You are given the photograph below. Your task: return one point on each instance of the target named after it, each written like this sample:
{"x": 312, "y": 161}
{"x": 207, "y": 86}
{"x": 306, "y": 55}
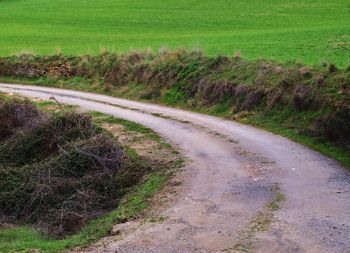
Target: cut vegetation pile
{"x": 314, "y": 101}
{"x": 68, "y": 178}
{"x": 58, "y": 171}
{"x": 17, "y": 116}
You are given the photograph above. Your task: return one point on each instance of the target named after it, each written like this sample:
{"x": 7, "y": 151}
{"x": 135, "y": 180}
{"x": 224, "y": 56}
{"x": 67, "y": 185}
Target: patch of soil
{"x": 148, "y": 148}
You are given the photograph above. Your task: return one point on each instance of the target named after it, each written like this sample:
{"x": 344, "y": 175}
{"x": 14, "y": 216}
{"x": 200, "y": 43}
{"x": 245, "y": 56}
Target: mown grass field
{"x": 302, "y": 30}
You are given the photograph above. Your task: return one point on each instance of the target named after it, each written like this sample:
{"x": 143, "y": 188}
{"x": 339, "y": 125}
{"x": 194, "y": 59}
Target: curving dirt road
{"x": 245, "y": 190}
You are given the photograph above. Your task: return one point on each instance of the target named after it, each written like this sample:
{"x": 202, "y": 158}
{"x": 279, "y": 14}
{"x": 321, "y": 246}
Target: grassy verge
{"x": 326, "y": 148}
{"x": 23, "y": 239}
{"x": 275, "y": 122}
{"x": 101, "y": 118}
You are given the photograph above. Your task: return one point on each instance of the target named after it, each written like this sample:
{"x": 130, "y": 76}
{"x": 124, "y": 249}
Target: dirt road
{"x": 244, "y": 189}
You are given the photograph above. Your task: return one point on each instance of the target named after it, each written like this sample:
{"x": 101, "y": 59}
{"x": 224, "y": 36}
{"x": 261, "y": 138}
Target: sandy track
{"x": 245, "y": 190}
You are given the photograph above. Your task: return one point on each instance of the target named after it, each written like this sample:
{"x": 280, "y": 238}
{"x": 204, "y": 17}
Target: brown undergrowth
{"x": 59, "y": 170}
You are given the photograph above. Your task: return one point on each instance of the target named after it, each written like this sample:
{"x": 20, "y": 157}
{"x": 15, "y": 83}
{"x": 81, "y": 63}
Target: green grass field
{"x": 302, "y": 30}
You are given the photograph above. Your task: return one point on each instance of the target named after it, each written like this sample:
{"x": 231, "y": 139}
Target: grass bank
{"x": 308, "y": 104}
{"x": 132, "y": 204}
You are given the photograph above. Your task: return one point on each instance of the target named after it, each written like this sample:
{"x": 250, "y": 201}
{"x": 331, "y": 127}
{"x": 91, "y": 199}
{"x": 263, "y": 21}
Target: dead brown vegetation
{"x": 17, "y": 116}
{"x": 59, "y": 171}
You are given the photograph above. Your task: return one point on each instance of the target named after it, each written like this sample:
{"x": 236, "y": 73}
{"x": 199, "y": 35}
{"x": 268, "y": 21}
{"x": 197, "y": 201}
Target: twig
{"x": 59, "y": 104}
